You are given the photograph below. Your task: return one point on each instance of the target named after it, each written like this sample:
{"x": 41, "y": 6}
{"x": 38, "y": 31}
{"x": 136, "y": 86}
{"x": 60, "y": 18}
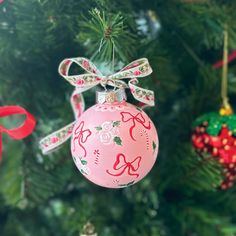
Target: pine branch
{"x": 194, "y": 173}
{"x": 106, "y": 36}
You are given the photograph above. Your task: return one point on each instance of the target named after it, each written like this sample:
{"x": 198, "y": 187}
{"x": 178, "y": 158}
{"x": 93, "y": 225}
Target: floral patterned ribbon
{"x": 92, "y": 77}
{"x": 20, "y": 132}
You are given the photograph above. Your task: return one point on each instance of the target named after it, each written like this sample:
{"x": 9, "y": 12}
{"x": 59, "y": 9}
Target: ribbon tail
{"x": 77, "y": 103}
{"x": 144, "y": 96}
{"x": 56, "y": 139}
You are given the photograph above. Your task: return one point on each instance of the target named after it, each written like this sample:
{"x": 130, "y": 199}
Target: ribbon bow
{"x": 122, "y": 164}
{"x": 136, "y": 69}
{"x": 20, "y": 132}
{"x": 82, "y": 82}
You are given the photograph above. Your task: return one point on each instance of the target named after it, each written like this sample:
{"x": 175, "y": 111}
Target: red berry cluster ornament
{"x": 215, "y": 134}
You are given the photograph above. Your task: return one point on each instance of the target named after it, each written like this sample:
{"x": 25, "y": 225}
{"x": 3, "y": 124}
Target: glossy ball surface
{"x": 114, "y": 145}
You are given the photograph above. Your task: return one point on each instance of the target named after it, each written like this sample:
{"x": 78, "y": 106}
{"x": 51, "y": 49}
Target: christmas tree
{"x": 46, "y": 195}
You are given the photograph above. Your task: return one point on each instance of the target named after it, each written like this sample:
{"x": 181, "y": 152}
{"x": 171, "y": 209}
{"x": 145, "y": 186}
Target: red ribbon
{"x": 127, "y": 116}
{"x": 20, "y": 132}
{"x": 220, "y": 63}
{"x": 121, "y": 163}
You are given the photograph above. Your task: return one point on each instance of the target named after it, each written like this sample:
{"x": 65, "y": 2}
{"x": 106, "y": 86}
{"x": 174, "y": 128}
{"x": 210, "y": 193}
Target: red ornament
{"x": 216, "y": 135}
{"x": 20, "y": 132}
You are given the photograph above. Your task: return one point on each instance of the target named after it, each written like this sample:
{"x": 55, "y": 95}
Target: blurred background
{"x": 183, "y": 39}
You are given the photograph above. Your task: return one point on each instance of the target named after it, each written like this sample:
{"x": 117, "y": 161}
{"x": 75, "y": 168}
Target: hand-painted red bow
{"x": 20, "y": 132}
{"x": 82, "y": 136}
{"x": 122, "y": 164}
{"x": 127, "y": 116}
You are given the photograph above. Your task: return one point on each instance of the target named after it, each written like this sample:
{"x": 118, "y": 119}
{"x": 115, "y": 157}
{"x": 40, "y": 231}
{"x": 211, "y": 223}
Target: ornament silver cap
{"x": 111, "y": 96}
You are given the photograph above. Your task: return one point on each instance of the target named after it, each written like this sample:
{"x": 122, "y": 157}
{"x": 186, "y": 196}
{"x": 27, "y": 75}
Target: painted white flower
{"x": 114, "y": 131}
{"x": 108, "y": 132}
{"x": 106, "y": 137}
{"x": 107, "y": 126}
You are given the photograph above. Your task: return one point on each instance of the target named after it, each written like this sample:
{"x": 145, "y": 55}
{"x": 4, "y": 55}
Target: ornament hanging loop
{"x": 104, "y": 84}
{"x": 225, "y": 108}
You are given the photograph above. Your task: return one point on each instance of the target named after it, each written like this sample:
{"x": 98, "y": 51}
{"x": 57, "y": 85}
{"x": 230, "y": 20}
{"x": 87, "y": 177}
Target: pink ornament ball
{"x": 114, "y": 144}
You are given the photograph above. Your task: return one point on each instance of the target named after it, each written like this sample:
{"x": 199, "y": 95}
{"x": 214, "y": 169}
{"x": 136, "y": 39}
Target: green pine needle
{"x": 106, "y": 36}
